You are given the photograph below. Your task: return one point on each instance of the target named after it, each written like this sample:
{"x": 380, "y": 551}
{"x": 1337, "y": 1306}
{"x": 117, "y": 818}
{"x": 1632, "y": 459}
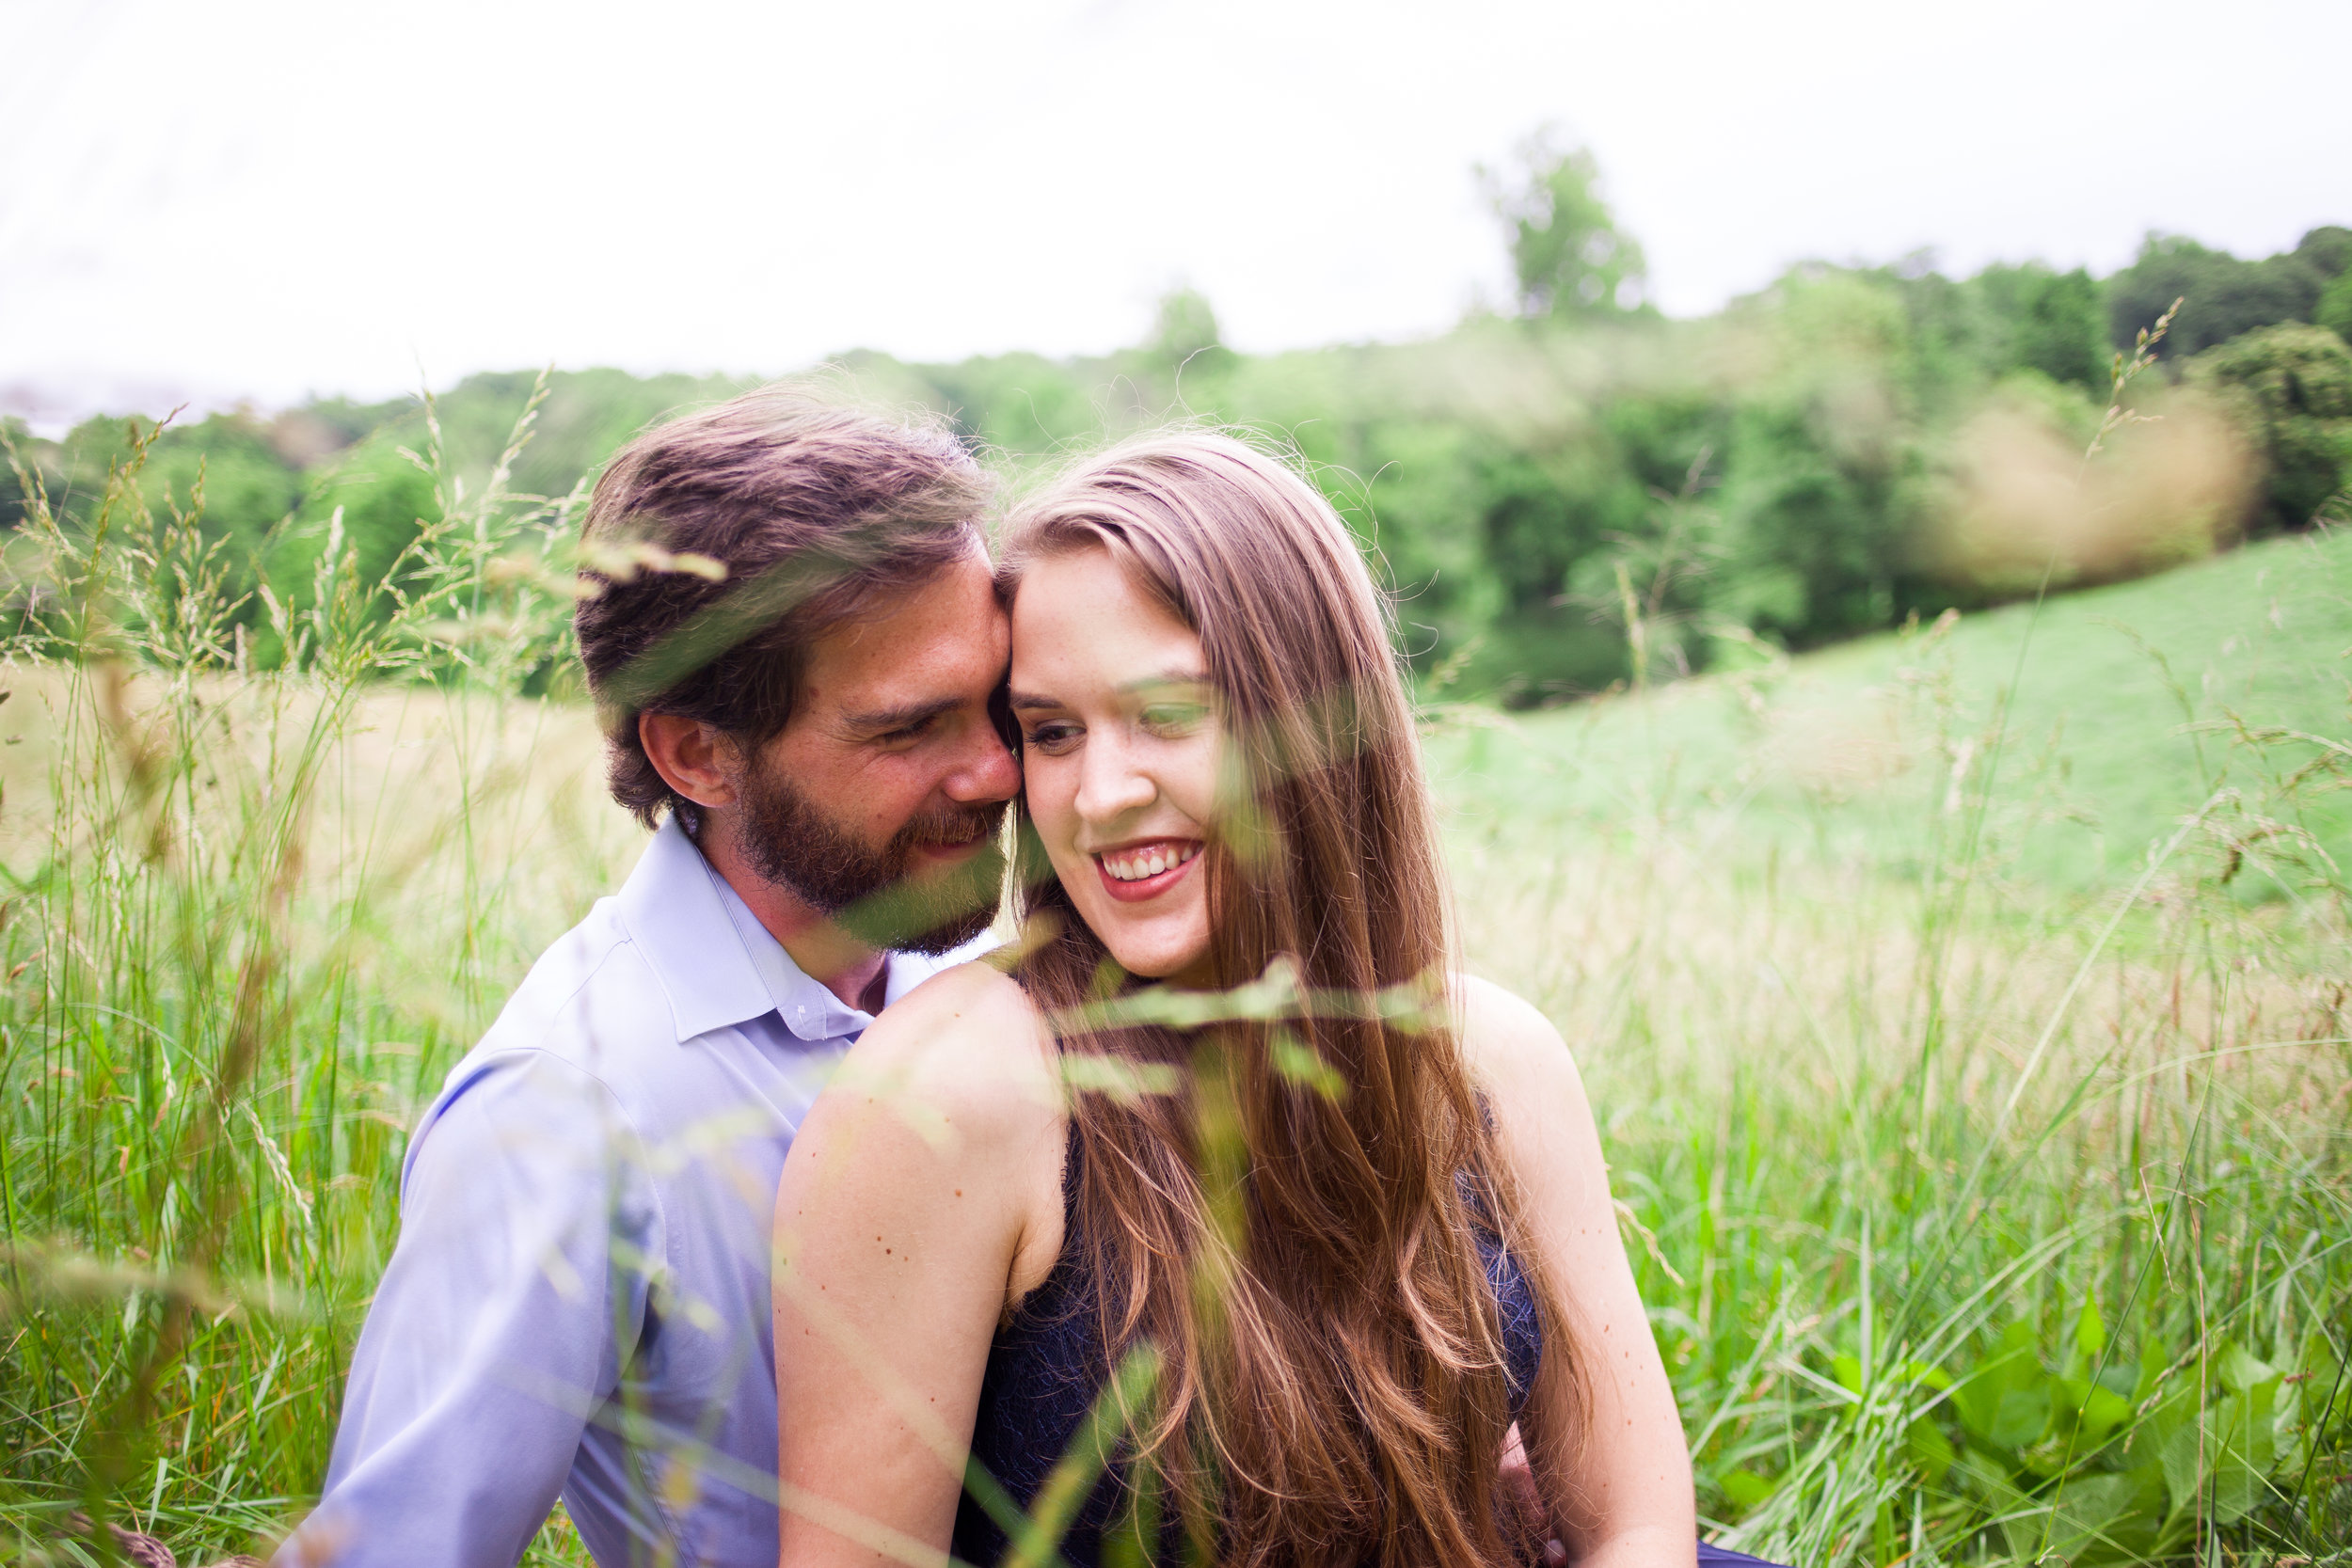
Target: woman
{"x": 1269, "y": 1274}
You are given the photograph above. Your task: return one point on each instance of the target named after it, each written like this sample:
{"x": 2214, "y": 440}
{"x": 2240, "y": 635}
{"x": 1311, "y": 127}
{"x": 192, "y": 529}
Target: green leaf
{"x": 2103, "y": 1412}
{"x": 1989, "y": 1478}
{"x": 1927, "y": 1376}
{"x": 2019, "y": 1418}
{"x": 2087, "y": 1509}
{"x": 2326, "y": 1386}
{"x": 1929, "y": 1449}
{"x": 2244, "y": 1451}
{"x": 2240, "y": 1370}
{"x": 2184, "y": 1459}
{"x": 2010, "y": 1367}
{"x": 2224, "y": 1457}
{"x": 2091, "y": 1330}
{"x": 1847, "y": 1370}
{"x": 1746, "y": 1489}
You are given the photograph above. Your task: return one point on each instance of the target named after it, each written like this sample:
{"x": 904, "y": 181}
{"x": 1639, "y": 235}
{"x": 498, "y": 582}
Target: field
{"x": 1966, "y": 1010}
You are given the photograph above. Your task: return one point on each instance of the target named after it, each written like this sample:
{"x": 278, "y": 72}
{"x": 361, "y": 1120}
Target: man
{"x": 794, "y": 646}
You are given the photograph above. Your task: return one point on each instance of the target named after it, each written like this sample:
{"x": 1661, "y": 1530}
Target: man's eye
{"x": 904, "y": 733}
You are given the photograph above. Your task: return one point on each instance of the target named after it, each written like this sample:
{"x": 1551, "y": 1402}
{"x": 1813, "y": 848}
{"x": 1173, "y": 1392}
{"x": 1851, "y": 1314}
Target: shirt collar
{"x": 719, "y": 966}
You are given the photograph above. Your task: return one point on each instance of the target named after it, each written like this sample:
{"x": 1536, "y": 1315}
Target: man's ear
{"x": 694, "y": 758}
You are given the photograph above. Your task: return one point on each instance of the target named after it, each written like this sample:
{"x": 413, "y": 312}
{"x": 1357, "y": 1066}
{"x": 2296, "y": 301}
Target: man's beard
{"x": 866, "y": 890}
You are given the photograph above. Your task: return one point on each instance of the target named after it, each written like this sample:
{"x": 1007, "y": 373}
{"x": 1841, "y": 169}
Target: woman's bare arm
{"x": 1625, "y": 1501}
{"x": 923, "y": 1192}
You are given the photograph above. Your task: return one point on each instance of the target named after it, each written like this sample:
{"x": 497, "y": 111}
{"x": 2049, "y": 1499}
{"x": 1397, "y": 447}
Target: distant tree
{"x": 2050, "y": 321}
{"x": 2327, "y": 251}
{"x": 2335, "y": 308}
{"x": 1184, "y": 325}
{"x": 2290, "y": 389}
{"x": 2225, "y": 296}
{"x": 1571, "y": 259}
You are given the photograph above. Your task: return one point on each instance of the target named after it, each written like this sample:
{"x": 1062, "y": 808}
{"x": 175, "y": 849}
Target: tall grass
{"x": 253, "y": 916}
{"x": 1980, "y": 1221}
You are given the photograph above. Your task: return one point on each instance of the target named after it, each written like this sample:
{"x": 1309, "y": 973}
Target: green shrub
{"x": 2290, "y": 390}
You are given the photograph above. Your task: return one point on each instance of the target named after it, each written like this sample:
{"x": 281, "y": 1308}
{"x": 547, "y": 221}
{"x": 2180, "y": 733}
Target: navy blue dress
{"x": 1048, "y": 1364}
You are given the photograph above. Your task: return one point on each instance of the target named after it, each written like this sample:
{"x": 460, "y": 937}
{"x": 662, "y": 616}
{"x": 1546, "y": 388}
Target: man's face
{"x": 879, "y": 803}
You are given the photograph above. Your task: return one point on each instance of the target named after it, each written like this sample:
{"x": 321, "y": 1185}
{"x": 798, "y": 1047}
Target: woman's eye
{"x": 1174, "y": 718}
{"x": 1051, "y": 737}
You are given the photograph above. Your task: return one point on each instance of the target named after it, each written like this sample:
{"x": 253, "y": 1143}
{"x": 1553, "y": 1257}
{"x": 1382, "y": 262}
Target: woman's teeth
{"x": 1133, "y": 865}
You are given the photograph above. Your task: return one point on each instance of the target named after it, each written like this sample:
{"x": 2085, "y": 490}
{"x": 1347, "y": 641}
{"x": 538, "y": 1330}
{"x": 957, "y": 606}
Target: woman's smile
{"x": 1120, "y": 747}
{"x": 1133, "y": 873}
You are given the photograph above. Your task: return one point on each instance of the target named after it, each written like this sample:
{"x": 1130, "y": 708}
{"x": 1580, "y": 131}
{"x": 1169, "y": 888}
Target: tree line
{"x": 1568, "y": 492}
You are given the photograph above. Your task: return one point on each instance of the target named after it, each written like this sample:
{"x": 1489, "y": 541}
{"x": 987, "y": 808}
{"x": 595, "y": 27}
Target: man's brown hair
{"x": 722, "y": 544}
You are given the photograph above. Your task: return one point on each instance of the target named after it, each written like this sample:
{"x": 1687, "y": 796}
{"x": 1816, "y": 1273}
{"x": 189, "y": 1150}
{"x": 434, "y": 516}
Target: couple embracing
{"x": 1217, "y": 1217}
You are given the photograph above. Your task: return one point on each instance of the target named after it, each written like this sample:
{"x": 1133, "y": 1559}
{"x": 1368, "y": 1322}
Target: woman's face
{"x": 1119, "y": 744}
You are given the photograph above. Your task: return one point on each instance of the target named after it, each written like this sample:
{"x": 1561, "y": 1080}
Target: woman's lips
{"x": 1141, "y": 889}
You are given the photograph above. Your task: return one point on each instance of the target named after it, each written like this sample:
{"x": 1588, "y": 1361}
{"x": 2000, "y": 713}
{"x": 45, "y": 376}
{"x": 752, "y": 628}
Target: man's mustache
{"x": 905, "y": 910}
{"x": 954, "y": 825}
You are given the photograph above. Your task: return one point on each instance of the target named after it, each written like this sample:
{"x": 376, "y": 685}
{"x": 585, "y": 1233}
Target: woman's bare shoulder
{"x": 1507, "y": 1042}
{"x": 967, "y": 1041}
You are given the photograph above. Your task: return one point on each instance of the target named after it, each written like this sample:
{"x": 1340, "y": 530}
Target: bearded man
{"x": 794, "y": 644}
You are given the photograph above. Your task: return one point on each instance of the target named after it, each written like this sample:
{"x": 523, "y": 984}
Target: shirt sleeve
{"x": 529, "y": 1223}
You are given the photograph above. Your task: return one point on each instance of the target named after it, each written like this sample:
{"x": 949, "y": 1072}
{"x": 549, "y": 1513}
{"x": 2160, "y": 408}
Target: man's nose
{"x": 989, "y": 773}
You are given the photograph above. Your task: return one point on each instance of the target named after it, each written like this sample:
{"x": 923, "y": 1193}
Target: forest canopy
{"x": 1565, "y": 494}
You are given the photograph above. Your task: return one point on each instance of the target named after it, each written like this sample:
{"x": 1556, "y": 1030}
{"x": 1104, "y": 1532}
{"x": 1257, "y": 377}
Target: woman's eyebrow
{"x": 1166, "y": 678}
{"x": 1027, "y": 701}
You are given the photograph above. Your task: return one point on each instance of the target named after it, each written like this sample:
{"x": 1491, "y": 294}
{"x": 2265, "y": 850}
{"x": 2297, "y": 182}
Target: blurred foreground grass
{"x": 1966, "y": 1012}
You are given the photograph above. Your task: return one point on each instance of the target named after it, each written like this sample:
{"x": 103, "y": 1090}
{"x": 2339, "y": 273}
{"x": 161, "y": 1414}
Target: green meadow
{"x": 1966, "y": 1009}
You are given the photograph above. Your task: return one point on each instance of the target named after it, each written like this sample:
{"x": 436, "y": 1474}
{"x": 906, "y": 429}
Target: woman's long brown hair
{"x": 1295, "y": 1230}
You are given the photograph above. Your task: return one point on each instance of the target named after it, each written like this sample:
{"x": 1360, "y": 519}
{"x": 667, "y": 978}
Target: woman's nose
{"x": 1109, "y": 782}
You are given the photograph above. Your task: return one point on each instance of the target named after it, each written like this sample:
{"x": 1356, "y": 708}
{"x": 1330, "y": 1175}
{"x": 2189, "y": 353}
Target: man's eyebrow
{"x": 883, "y": 719}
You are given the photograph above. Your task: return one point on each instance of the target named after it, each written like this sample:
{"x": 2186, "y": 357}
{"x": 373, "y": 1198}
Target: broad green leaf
{"x": 2326, "y": 1387}
{"x": 1988, "y": 1476}
{"x": 2086, "y": 1509}
{"x": 1847, "y": 1370}
{"x": 2019, "y": 1418}
{"x": 2104, "y": 1411}
{"x": 2091, "y": 1330}
{"x": 2184, "y": 1460}
{"x": 1746, "y": 1489}
{"x": 1929, "y": 1449}
{"x": 2011, "y": 1367}
{"x": 1927, "y": 1376}
{"x": 2240, "y": 1370}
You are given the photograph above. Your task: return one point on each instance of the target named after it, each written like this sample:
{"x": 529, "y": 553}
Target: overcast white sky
{"x": 244, "y": 198}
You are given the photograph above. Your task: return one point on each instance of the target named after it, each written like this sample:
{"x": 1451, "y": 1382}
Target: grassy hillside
{"x": 2090, "y": 724}
{"x": 1960, "y": 1133}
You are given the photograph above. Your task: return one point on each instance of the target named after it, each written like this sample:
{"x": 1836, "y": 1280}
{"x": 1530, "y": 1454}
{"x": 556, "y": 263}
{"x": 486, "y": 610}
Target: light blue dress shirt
{"x": 578, "y": 1302}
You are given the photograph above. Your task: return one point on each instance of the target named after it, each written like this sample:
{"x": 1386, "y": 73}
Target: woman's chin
{"x": 1186, "y": 964}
